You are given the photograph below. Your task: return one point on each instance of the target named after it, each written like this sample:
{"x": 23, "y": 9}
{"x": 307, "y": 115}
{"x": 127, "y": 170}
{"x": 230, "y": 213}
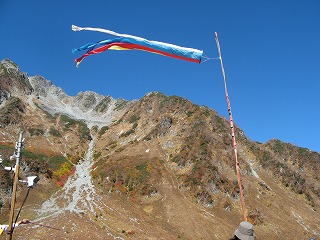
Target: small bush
{"x": 134, "y": 118}
{"x": 303, "y": 151}
{"x": 206, "y": 112}
{"x": 126, "y": 134}
{"x": 96, "y": 155}
{"x": 278, "y": 146}
{"x": 68, "y": 121}
{"x": 82, "y": 127}
{"x": 103, "y": 130}
{"x": 120, "y": 104}
{"x": 103, "y": 104}
{"x": 54, "y": 132}
{"x": 135, "y": 125}
{"x": 189, "y": 113}
{"x": 35, "y": 131}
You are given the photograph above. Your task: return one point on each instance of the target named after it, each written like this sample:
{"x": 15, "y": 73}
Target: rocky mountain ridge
{"x": 13, "y": 81}
{"x": 159, "y": 167}
{"x": 88, "y": 106}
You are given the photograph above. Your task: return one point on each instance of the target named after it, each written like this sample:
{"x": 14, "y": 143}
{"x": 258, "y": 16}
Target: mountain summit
{"x": 159, "y": 167}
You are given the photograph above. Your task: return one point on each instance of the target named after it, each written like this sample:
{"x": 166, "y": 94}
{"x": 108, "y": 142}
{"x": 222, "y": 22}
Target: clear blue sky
{"x": 271, "y": 52}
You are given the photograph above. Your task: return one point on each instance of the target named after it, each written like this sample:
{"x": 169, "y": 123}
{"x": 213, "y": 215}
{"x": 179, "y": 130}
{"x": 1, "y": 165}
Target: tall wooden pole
{"x": 19, "y": 147}
{"x": 232, "y": 130}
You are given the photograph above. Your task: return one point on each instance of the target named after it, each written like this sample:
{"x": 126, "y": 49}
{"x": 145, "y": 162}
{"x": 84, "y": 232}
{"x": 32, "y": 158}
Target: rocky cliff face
{"x": 157, "y": 168}
{"x": 13, "y": 81}
{"x": 88, "y": 106}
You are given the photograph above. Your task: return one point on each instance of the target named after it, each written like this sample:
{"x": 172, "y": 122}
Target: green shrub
{"x": 56, "y": 161}
{"x": 303, "y": 151}
{"x": 68, "y": 121}
{"x": 126, "y": 134}
{"x": 54, "y": 132}
{"x": 35, "y": 131}
{"x": 120, "y": 103}
{"x": 96, "y": 155}
{"x": 84, "y": 130}
{"x": 95, "y": 128}
{"x": 206, "y": 111}
{"x": 32, "y": 155}
{"x": 53, "y": 161}
{"x": 82, "y": 127}
{"x": 103, "y": 104}
{"x": 103, "y": 130}
{"x": 134, "y": 118}
{"x": 279, "y": 146}
{"x": 219, "y": 121}
{"x": 189, "y": 113}
{"x": 134, "y": 126}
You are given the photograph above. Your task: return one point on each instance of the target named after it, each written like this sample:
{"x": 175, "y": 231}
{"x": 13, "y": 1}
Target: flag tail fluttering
{"x": 129, "y": 42}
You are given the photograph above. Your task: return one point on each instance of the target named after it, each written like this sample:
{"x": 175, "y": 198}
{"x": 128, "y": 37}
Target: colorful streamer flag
{"x": 129, "y": 42}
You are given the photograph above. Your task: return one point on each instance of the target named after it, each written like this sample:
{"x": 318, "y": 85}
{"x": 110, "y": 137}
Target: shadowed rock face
{"x": 13, "y": 81}
{"x": 159, "y": 167}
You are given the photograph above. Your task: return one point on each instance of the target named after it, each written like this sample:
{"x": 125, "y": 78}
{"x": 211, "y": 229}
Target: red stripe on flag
{"x": 134, "y": 46}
